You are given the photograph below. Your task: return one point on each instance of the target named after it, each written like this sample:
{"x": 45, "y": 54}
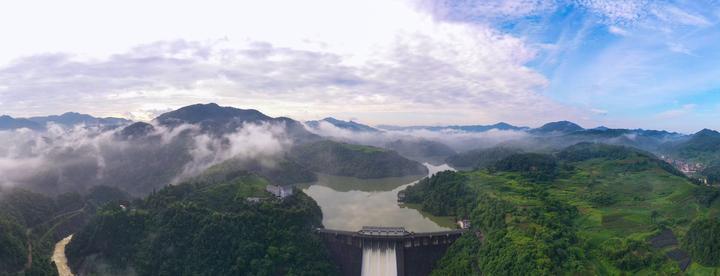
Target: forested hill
{"x": 31, "y": 223}
{"x": 206, "y": 226}
{"x": 480, "y": 158}
{"x": 591, "y": 209}
{"x": 354, "y": 160}
{"x": 703, "y": 147}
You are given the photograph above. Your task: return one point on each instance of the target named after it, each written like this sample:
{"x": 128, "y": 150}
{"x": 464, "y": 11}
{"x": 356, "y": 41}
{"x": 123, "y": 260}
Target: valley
{"x": 163, "y": 197}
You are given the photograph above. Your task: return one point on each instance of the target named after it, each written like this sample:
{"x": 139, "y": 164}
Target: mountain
{"x": 8, "y": 123}
{"x": 467, "y": 128}
{"x": 344, "y": 159}
{"x": 200, "y": 113}
{"x": 704, "y": 140}
{"x": 139, "y": 129}
{"x": 702, "y": 147}
{"x": 651, "y": 140}
{"x": 74, "y": 118}
{"x": 66, "y": 119}
{"x": 562, "y": 127}
{"x": 220, "y": 120}
{"x": 348, "y": 125}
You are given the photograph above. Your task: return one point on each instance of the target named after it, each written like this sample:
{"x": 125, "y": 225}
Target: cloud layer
{"x": 405, "y": 63}
{"x": 73, "y": 159}
{"x": 391, "y": 62}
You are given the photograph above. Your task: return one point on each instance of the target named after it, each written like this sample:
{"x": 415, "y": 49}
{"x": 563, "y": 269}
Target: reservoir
{"x": 349, "y": 203}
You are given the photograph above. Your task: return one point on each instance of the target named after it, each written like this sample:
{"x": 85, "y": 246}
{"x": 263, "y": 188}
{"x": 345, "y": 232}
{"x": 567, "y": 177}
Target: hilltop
{"x": 205, "y": 225}
{"x": 354, "y": 160}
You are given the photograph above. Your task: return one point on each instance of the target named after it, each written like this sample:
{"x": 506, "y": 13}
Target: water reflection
{"x": 349, "y": 203}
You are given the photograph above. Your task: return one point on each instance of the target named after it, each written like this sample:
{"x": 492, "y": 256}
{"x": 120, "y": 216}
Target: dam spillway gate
{"x": 377, "y": 250}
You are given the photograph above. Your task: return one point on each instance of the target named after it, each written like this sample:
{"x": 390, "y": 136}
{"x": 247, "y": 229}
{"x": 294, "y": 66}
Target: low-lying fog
{"x": 71, "y": 159}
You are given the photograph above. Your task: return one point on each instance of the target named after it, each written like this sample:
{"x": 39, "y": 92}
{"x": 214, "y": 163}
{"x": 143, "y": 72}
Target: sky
{"x": 631, "y": 64}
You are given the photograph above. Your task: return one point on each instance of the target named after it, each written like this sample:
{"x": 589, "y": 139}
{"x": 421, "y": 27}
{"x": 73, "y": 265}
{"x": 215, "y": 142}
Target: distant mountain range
{"x": 467, "y": 128}
{"x": 703, "y": 146}
{"x": 66, "y": 119}
{"x": 7, "y": 122}
{"x": 558, "y": 128}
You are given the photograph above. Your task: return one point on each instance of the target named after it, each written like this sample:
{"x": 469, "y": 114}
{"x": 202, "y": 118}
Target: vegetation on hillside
{"x": 702, "y": 147}
{"x": 535, "y": 166}
{"x": 703, "y": 241}
{"x": 205, "y": 226}
{"x": 713, "y": 174}
{"x": 480, "y": 158}
{"x": 31, "y": 224}
{"x": 454, "y": 195}
{"x": 343, "y": 159}
{"x": 590, "y": 209}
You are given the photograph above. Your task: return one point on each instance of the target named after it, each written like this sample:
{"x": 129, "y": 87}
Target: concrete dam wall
{"x": 387, "y": 250}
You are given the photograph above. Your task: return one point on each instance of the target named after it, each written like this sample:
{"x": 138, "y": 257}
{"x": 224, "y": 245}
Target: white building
{"x": 280, "y": 191}
{"x": 464, "y": 224}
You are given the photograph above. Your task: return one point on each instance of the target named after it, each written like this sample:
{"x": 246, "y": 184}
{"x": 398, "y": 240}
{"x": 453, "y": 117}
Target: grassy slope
{"x": 638, "y": 194}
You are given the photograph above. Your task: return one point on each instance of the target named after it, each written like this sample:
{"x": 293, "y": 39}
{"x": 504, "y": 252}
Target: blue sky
{"x": 633, "y": 64}
{"x": 650, "y": 64}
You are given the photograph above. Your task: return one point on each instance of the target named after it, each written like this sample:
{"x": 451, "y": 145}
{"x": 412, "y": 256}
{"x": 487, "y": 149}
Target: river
{"x": 59, "y": 257}
{"x": 350, "y": 203}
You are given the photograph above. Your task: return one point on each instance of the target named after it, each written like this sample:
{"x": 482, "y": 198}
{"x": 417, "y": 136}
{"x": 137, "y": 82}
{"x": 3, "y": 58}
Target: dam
{"x": 376, "y": 250}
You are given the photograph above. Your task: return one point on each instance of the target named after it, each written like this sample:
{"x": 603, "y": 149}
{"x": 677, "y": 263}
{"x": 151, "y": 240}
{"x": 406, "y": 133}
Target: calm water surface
{"x": 350, "y": 203}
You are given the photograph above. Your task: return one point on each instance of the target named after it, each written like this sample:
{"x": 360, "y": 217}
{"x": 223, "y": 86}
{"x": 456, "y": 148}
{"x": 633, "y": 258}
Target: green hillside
{"x": 702, "y": 147}
{"x": 603, "y": 212}
{"x": 344, "y": 159}
{"x": 480, "y": 158}
{"x": 205, "y": 226}
{"x": 31, "y": 224}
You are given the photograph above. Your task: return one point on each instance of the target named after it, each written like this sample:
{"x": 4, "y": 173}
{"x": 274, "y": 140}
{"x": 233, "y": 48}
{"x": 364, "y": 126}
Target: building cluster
{"x": 280, "y": 191}
{"x": 685, "y": 167}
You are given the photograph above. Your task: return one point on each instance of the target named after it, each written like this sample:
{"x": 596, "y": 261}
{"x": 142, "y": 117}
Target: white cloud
{"x": 599, "y": 111}
{"x": 678, "y": 112}
{"x": 401, "y": 58}
{"x": 676, "y": 15}
{"x": 618, "y": 31}
{"x": 73, "y": 159}
{"x": 474, "y": 10}
{"x": 457, "y": 139}
{"x": 679, "y": 48}
{"x": 618, "y": 12}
